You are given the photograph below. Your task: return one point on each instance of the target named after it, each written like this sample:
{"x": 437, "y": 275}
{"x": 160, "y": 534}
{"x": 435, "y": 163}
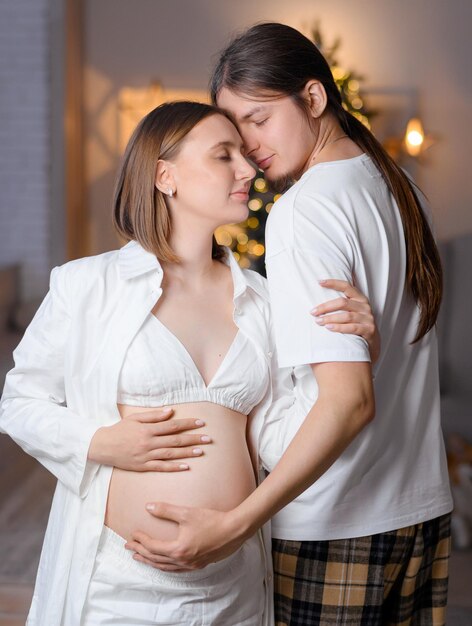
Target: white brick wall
{"x": 25, "y": 142}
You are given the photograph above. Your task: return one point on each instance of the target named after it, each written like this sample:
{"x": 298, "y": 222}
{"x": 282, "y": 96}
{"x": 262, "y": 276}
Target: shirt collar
{"x": 242, "y": 279}
{"x": 239, "y": 279}
{"x": 135, "y": 261}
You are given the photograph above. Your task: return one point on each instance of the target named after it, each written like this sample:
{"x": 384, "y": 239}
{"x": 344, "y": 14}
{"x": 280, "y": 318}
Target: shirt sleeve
{"x": 274, "y": 421}
{"x": 319, "y": 246}
{"x": 34, "y": 411}
{"x": 283, "y": 416}
{"x": 278, "y": 419}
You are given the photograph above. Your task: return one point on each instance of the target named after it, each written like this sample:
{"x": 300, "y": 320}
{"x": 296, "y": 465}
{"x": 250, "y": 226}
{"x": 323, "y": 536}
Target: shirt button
{"x": 269, "y": 354}
{"x": 238, "y": 312}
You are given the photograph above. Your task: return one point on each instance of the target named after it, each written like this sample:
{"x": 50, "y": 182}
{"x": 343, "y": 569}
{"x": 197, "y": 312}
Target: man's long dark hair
{"x": 276, "y": 58}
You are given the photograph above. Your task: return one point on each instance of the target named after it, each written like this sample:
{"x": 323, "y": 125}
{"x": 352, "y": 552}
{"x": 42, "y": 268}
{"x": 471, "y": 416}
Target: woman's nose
{"x": 251, "y": 171}
{"x": 246, "y": 170}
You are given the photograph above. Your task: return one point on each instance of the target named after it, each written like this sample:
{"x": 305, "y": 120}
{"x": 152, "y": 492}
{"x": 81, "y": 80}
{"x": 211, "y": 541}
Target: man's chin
{"x": 280, "y": 184}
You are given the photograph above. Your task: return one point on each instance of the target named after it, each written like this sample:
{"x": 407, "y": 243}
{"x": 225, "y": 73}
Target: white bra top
{"x": 159, "y": 371}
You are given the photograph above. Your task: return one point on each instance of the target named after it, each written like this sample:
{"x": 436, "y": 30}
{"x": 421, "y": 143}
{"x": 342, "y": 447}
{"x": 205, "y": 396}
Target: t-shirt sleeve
{"x": 319, "y": 246}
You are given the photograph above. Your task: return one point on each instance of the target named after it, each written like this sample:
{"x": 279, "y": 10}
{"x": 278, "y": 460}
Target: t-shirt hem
{"x": 350, "y": 531}
{"x": 326, "y": 356}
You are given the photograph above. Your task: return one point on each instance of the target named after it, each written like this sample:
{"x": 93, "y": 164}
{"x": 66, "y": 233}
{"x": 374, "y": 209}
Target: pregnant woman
{"x": 168, "y": 321}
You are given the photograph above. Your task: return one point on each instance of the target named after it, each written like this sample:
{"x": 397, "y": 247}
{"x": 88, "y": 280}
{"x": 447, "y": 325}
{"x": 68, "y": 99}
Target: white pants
{"x": 124, "y": 592}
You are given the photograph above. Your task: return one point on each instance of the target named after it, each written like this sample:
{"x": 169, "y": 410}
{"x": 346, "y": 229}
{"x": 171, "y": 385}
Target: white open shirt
{"x": 64, "y": 387}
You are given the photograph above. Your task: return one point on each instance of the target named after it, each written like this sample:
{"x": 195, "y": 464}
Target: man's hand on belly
{"x": 205, "y": 536}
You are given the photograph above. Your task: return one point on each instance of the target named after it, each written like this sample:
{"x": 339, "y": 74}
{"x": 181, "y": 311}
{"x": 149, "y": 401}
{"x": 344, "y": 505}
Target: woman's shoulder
{"x": 96, "y": 262}
{"x": 85, "y": 270}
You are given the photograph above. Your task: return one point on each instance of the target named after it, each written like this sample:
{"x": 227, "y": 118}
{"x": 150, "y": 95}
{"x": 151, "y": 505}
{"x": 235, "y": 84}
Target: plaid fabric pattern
{"x": 394, "y": 578}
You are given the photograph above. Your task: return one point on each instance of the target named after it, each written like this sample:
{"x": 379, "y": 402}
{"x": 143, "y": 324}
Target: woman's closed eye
{"x": 224, "y": 157}
{"x": 260, "y": 122}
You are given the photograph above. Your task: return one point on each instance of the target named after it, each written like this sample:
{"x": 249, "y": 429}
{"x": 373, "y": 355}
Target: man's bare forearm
{"x": 339, "y": 414}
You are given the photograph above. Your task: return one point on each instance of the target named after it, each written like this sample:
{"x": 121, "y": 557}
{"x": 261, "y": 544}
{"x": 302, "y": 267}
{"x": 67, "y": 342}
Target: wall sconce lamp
{"x": 398, "y": 126}
{"x": 416, "y": 141}
{"x": 413, "y": 143}
{"x": 414, "y": 137}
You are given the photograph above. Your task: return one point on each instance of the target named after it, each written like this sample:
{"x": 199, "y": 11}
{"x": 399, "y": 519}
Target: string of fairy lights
{"x": 246, "y": 240}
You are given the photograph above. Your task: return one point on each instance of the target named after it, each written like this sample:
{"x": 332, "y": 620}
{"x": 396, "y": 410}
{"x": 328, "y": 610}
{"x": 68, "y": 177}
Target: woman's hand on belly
{"x": 219, "y": 479}
{"x": 146, "y": 441}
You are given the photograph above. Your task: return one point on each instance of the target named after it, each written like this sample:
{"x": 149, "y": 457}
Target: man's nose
{"x": 250, "y": 144}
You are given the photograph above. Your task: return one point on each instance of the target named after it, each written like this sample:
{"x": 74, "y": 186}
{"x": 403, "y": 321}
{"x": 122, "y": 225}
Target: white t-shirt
{"x": 340, "y": 221}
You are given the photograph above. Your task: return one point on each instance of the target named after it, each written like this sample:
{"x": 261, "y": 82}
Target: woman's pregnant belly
{"x": 219, "y": 479}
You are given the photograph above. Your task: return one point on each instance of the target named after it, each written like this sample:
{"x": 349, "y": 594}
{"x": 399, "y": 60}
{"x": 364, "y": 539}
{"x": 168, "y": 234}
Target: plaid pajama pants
{"x": 393, "y": 578}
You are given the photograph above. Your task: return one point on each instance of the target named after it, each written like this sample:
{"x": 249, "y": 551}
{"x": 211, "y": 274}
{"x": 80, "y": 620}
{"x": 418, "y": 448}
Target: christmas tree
{"x": 348, "y": 81}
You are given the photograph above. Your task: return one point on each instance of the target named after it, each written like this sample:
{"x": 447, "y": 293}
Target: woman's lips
{"x": 241, "y": 195}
